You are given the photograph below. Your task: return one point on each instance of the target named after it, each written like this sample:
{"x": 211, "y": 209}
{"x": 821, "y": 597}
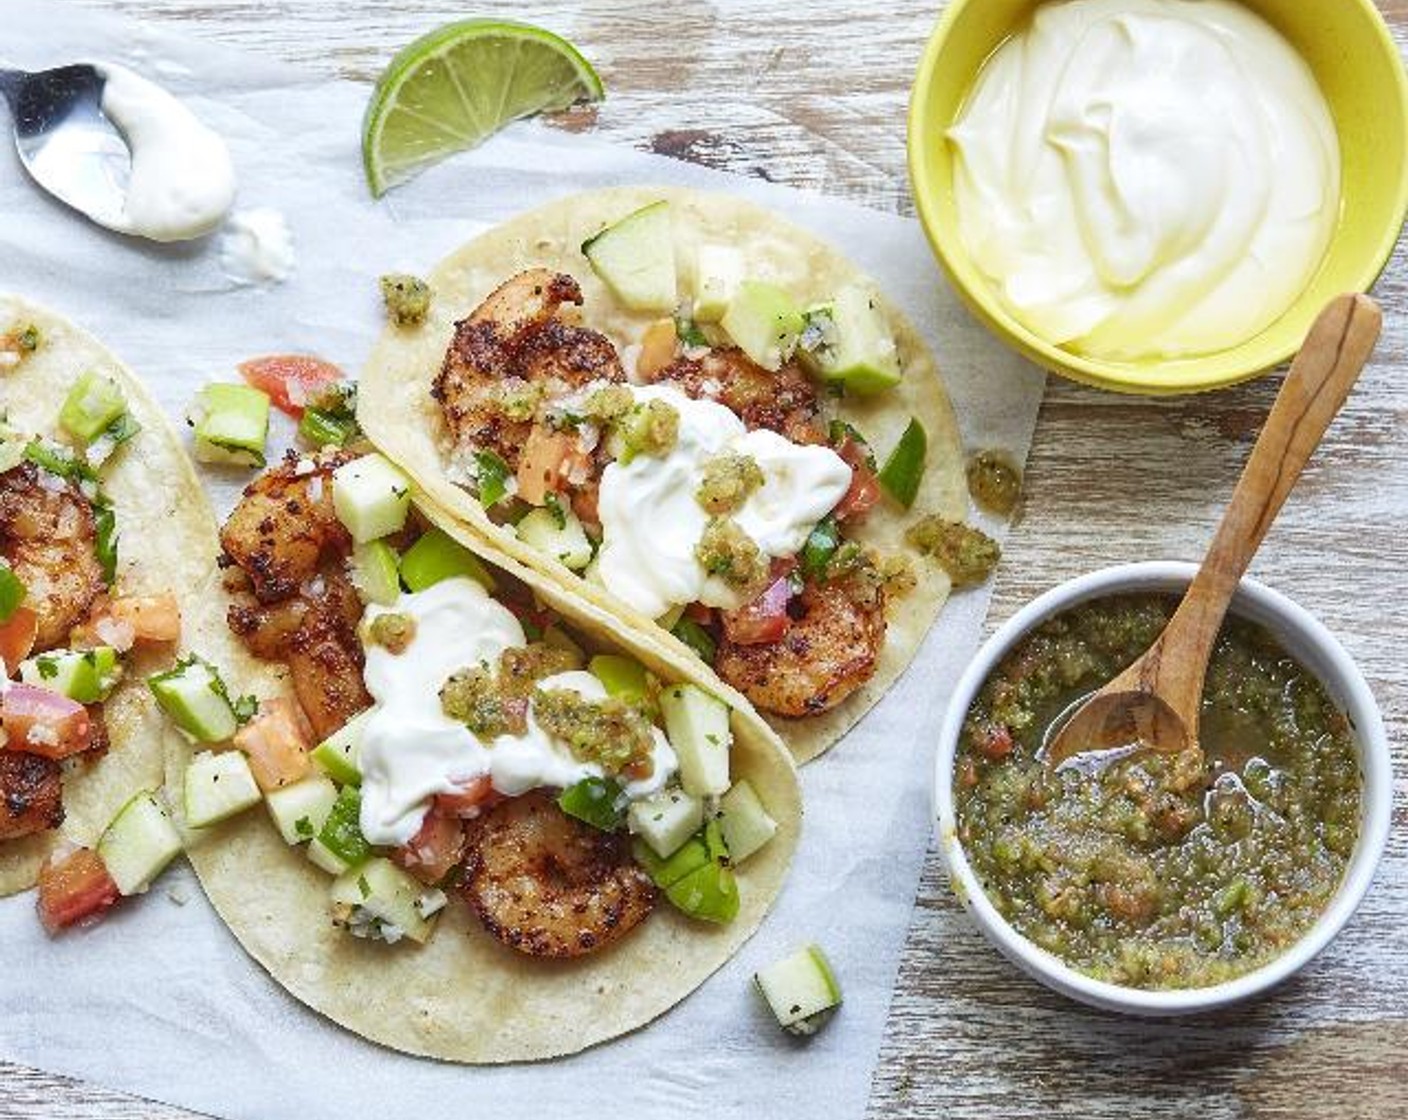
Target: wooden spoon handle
{"x": 1319, "y": 381}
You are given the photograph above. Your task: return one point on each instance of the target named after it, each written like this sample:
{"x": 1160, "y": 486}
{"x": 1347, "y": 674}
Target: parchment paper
{"x": 159, "y": 1000}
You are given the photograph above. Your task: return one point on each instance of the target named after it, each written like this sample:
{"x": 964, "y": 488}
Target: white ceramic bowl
{"x": 1305, "y": 639}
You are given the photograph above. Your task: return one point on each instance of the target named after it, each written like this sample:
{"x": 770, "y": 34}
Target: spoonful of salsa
{"x": 1154, "y": 704}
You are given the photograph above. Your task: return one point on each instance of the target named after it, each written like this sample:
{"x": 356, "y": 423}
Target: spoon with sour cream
{"x": 1156, "y": 702}
{"x": 120, "y": 149}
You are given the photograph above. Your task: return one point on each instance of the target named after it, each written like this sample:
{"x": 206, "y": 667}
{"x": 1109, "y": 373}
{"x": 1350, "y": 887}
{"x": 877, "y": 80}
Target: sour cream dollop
{"x": 652, "y": 522}
{"x": 182, "y": 182}
{"x": 411, "y": 750}
{"x": 1147, "y": 178}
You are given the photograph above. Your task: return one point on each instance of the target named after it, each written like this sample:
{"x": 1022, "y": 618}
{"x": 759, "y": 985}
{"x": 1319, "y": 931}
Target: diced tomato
{"x": 763, "y": 620}
{"x": 860, "y": 499}
{"x": 17, "y": 637}
{"x": 289, "y": 379}
{"x": 277, "y": 743}
{"x": 698, "y": 612}
{"x": 468, "y": 801}
{"x": 74, "y": 889}
{"x": 433, "y": 851}
{"x": 548, "y": 458}
{"x": 43, "y": 722}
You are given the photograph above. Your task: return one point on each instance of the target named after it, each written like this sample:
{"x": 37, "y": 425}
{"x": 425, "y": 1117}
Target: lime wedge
{"x": 453, "y": 88}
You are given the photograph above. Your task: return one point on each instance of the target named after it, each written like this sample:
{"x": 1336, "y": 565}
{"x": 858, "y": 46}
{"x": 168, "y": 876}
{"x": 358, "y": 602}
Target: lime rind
{"x": 427, "y": 104}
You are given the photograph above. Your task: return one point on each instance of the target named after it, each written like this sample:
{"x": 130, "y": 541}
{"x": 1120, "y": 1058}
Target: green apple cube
{"x": 691, "y": 856}
{"x": 635, "y": 258}
{"x": 698, "y": 728}
{"x": 595, "y": 801}
{"x": 620, "y": 676}
{"x": 337, "y": 755}
{"x": 341, "y": 833}
{"x": 438, "y": 556}
{"x": 231, "y": 424}
{"x": 300, "y": 810}
{"x": 665, "y": 820}
{"x": 765, "y": 323}
{"x": 849, "y": 343}
{"x": 92, "y": 406}
{"x": 371, "y": 496}
{"x": 709, "y": 894}
{"x": 376, "y": 573}
{"x": 718, "y": 271}
{"x": 88, "y": 676}
{"x": 378, "y": 899}
{"x": 744, "y": 822}
{"x": 320, "y": 855}
{"x": 194, "y": 698}
{"x": 139, "y": 843}
{"x": 801, "y": 990}
{"x": 556, "y": 533}
{"x": 217, "y": 787}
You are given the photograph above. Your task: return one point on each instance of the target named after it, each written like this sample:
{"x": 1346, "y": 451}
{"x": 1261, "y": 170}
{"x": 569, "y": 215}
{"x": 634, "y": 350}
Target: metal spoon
{"x": 65, "y": 142}
{"x": 1156, "y": 702}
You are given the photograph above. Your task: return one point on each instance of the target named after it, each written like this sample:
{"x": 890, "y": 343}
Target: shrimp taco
{"x": 497, "y": 828}
{"x": 97, "y": 567}
{"x": 672, "y": 403}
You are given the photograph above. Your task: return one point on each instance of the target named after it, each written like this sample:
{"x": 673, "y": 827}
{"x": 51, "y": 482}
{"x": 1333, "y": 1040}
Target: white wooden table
{"x": 813, "y": 94}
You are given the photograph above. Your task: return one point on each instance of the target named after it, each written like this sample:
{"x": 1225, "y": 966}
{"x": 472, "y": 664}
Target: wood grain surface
{"x": 813, "y": 94}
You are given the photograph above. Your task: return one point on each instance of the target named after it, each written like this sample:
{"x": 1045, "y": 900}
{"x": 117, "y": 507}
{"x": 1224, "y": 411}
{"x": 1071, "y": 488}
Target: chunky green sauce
{"x": 1158, "y": 871}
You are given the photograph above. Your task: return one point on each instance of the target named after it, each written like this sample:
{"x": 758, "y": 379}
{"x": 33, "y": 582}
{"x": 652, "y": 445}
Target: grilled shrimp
{"x": 513, "y": 344}
{"x": 784, "y": 402}
{"x": 285, "y": 527}
{"x": 548, "y": 885}
{"x": 827, "y": 653}
{"x": 294, "y": 601}
{"x": 31, "y": 794}
{"x": 47, "y": 536}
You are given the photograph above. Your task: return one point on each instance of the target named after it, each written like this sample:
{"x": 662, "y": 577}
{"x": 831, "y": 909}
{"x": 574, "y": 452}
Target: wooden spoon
{"x": 1155, "y": 703}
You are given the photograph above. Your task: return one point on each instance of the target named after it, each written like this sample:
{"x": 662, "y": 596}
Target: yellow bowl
{"x": 1356, "y": 63}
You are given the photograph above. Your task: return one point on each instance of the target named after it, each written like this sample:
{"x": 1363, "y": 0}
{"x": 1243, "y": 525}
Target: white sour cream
{"x": 182, "y": 182}
{"x": 256, "y": 247}
{"x": 411, "y": 750}
{"x": 1147, "y": 178}
{"x": 651, "y": 519}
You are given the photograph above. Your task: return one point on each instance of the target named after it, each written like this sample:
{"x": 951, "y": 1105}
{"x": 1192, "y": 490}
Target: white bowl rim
{"x": 1344, "y": 681}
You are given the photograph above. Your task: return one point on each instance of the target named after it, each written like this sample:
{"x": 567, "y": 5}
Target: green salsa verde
{"x": 1158, "y": 871}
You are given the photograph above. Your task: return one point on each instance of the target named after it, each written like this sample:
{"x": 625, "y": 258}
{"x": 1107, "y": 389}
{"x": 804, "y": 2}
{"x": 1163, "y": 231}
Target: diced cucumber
{"x": 718, "y": 271}
{"x": 744, "y": 822}
{"x": 376, "y": 899}
{"x": 301, "y": 810}
{"x": 92, "y": 405}
{"x": 848, "y": 342}
{"x": 691, "y": 856}
{"x": 375, "y": 574}
{"x": 438, "y": 556}
{"x": 665, "y": 820}
{"x": 231, "y": 424}
{"x": 195, "y": 699}
{"x": 635, "y": 258}
{"x": 558, "y": 534}
{"x": 337, "y": 755}
{"x": 217, "y": 787}
{"x": 341, "y": 833}
{"x": 320, "y": 855}
{"x": 709, "y": 894}
{"x": 801, "y": 990}
{"x": 698, "y": 727}
{"x": 620, "y": 676}
{"x": 765, "y": 323}
{"x": 597, "y": 801}
{"x": 87, "y": 676}
{"x": 371, "y": 496}
{"x": 139, "y": 843}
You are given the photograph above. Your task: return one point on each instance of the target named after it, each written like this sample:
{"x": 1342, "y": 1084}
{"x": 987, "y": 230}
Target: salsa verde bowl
{"x": 1307, "y": 641}
{"x": 1357, "y": 66}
